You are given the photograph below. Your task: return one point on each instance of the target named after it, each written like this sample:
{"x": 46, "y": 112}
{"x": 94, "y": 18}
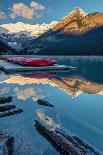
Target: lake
{"x": 77, "y": 97}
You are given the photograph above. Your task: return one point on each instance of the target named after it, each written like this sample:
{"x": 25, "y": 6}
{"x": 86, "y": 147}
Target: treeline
{"x": 90, "y": 43}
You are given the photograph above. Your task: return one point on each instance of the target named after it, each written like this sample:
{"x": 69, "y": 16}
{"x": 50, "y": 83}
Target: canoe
{"x": 31, "y": 61}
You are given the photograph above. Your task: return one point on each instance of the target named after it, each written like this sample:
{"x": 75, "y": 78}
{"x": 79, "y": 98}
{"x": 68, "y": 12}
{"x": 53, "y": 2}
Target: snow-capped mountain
{"x": 33, "y": 30}
{"x": 19, "y": 34}
{"x": 72, "y": 21}
{"x": 78, "y": 33}
{"x": 79, "y": 11}
{"x": 17, "y": 40}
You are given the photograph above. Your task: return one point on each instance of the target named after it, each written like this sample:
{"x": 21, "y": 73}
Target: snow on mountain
{"x": 19, "y": 34}
{"x": 76, "y": 34}
{"x": 78, "y": 10}
{"x": 34, "y": 30}
{"x": 71, "y": 21}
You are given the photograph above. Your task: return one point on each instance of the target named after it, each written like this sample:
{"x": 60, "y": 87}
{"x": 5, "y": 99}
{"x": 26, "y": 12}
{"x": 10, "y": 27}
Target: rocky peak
{"x": 75, "y": 17}
{"x": 78, "y": 21}
{"x": 78, "y": 11}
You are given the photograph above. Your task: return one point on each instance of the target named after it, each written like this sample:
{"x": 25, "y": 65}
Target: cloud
{"x": 2, "y": 15}
{"x": 37, "y": 97}
{"x": 37, "y": 6}
{"x": 47, "y": 120}
{"x": 24, "y": 94}
{"x": 4, "y": 91}
{"x": 20, "y": 9}
{"x": 28, "y": 12}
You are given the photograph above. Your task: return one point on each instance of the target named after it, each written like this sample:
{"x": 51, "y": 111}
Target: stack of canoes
{"x": 37, "y": 62}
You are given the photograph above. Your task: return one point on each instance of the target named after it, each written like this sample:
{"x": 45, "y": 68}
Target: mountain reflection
{"x": 73, "y": 86}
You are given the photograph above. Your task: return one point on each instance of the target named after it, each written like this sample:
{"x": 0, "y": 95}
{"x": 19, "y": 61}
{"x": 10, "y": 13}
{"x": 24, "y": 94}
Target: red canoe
{"x": 40, "y": 62}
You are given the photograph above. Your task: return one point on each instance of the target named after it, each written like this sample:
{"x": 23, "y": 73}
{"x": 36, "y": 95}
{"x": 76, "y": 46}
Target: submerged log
{"x": 6, "y": 143}
{"x": 4, "y": 100}
{"x": 9, "y": 144}
{"x": 11, "y": 112}
{"x": 79, "y": 143}
{"x": 6, "y": 108}
{"x": 65, "y": 144}
{"x": 45, "y": 103}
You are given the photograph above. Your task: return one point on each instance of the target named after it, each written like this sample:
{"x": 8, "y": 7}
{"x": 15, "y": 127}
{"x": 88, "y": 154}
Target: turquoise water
{"x": 77, "y": 97}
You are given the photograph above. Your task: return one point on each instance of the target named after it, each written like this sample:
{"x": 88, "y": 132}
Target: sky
{"x": 43, "y": 11}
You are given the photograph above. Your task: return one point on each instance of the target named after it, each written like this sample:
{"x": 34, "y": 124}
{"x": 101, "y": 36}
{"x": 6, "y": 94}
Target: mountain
{"x": 17, "y": 40}
{"x": 3, "y": 30}
{"x": 5, "y": 49}
{"x": 78, "y": 33}
{"x": 34, "y": 30}
{"x": 19, "y": 34}
{"x": 72, "y": 22}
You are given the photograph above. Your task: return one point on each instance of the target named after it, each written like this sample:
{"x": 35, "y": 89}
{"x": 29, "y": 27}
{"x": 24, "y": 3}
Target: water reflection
{"x": 73, "y": 86}
{"x": 24, "y": 94}
{"x": 47, "y": 120}
{"x": 4, "y": 90}
{"x": 76, "y": 96}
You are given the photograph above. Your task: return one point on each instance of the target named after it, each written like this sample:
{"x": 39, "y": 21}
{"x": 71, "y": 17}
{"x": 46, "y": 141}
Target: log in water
{"x": 6, "y": 108}
{"x": 6, "y": 143}
{"x": 4, "y": 100}
{"x": 65, "y": 144}
{"x": 11, "y": 112}
{"x": 45, "y": 103}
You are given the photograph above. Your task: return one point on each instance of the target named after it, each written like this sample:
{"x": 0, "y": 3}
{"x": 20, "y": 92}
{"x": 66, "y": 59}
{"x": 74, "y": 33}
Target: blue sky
{"x": 39, "y": 11}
